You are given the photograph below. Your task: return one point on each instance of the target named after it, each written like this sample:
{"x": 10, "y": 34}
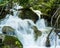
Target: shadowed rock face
{"x": 3, "y": 12}
{"x": 5, "y": 7}
{"x": 1, "y": 38}
{"x": 37, "y": 33}
{"x": 27, "y": 13}
{"x": 7, "y": 29}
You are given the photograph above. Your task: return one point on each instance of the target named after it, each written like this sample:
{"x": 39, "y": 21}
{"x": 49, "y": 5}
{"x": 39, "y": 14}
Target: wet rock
{"x": 2, "y": 37}
{"x": 37, "y": 33}
{"x": 27, "y": 13}
{"x": 47, "y": 43}
{"x": 57, "y": 31}
{"x": 59, "y": 36}
{"x": 8, "y": 30}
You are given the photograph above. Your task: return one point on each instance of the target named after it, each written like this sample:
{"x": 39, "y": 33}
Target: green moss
{"x": 11, "y": 42}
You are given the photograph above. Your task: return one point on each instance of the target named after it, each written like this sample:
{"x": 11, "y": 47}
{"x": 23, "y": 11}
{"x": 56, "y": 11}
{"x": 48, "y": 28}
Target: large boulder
{"x": 27, "y": 13}
{"x": 7, "y": 30}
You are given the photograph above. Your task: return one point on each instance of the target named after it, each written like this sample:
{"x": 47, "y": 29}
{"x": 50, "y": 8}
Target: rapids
{"x": 25, "y": 33}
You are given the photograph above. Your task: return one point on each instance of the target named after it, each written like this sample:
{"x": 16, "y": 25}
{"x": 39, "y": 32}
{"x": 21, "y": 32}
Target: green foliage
{"x": 47, "y": 7}
{"x": 26, "y": 3}
{"x": 23, "y": 2}
{"x": 6, "y": 46}
{"x": 3, "y": 2}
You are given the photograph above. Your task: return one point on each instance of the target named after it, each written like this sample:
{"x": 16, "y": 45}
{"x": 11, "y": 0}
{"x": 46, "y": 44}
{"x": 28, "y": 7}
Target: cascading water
{"x": 25, "y": 33}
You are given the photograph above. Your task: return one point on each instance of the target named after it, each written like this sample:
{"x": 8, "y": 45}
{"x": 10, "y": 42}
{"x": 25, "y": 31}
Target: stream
{"x": 25, "y": 33}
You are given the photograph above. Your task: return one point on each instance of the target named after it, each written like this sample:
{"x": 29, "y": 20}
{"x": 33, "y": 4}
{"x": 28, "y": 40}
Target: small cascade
{"x": 24, "y": 31}
{"x": 40, "y": 23}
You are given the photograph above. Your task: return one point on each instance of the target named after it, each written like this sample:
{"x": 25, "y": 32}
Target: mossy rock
{"x": 27, "y": 13}
{"x": 12, "y": 42}
{"x": 37, "y": 33}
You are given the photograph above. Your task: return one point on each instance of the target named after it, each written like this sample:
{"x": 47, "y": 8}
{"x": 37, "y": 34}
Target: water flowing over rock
{"x": 24, "y": 30}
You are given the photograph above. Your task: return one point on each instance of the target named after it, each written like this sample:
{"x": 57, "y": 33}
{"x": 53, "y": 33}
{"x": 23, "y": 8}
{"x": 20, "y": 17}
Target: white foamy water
{"x": 25, "y": 33}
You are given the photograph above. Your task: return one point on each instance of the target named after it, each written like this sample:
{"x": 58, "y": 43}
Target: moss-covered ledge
{"x": 11, "y": 42}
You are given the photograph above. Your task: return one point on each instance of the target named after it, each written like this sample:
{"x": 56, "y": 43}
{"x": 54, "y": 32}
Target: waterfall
{"x": 25, "y": 33}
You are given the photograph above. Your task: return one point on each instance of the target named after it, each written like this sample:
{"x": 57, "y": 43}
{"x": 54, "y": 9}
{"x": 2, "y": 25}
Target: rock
{"x": 57, "y": 31}
{"x": 12, "y": 42}
{"x": 47, "y": 42}
{"x": 8, "y": 30}
{"x": 37, "y": 33}
{"x": 5, "y": 8}
{"x": 3, "y": 12}
{"x": 27, "y": 13}
{"x": 59, "y": 36}
{"x": 1, "y": 38}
